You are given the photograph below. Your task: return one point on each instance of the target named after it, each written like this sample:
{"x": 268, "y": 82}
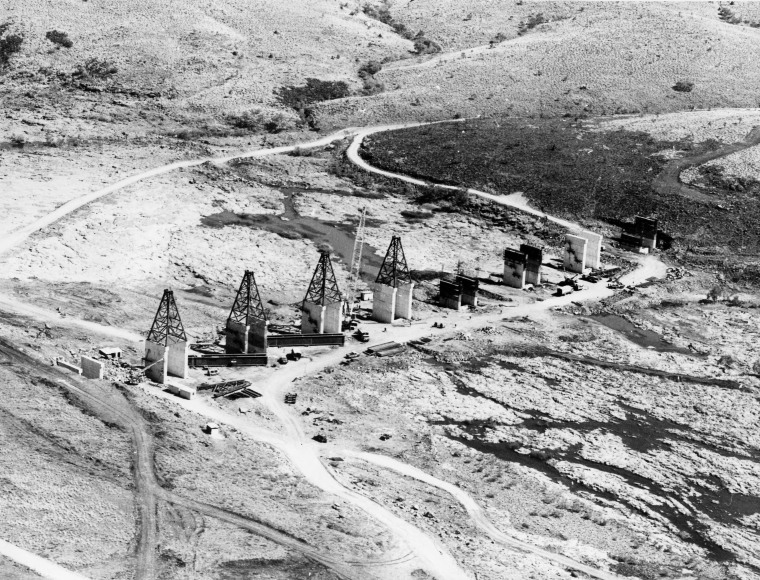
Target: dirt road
{"x": 516, "y": 202}
{"x": 40, "y": 565}
{"x": 111, "y": 405}
{"x": 669, "y": 180}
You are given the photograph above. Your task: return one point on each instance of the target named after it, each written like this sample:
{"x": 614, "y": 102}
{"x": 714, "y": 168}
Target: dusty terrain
{"x": 606, "y": 434}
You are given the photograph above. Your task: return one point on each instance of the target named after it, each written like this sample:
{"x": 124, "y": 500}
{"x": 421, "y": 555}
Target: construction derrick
{"x": 323, "y": 302}
{"x": 167, "y": 325}
{"x": 323, "y": 289}
{"x": 246, "y": 329}
{"x": 356, "y": 263}
{"x": 166, "y": 345}
{"x": 247, "y": 306}
{"x": 394, "y": 271}
{"x": 393, "y": 286}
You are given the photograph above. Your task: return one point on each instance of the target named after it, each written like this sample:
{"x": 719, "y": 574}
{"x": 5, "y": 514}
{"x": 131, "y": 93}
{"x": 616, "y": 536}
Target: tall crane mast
{"x": 356, "y": 264}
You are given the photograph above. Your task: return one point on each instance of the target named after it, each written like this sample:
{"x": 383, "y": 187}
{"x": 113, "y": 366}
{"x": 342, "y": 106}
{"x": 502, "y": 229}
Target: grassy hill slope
{"x": 602, "y": 58}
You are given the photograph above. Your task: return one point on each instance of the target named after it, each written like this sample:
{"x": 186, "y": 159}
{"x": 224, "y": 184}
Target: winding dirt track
{"x": 669, "y": 180}
{"x": 113, "y": 406}
{"x": 426, "y": 551}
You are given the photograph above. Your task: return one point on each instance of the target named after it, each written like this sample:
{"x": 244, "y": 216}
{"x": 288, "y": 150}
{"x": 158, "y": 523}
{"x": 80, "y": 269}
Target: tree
{"x": 715, "y": 293}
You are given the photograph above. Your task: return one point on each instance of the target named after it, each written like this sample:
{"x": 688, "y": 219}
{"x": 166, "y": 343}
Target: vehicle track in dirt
{"x": 668, "y": 182}
{"x": 114, "y": 407}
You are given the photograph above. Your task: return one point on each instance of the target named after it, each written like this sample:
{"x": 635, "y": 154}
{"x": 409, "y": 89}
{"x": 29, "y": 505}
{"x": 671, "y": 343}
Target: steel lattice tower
{"x": 394, "y": 270}
{"x": 247, "y": 305}
{"x": 323, "y": 288}
{"x": 167, "y": 325}
{"x": 356, "y": 261}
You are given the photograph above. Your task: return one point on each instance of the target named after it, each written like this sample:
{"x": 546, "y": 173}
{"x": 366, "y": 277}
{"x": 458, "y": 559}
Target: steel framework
{"x": 356, "y": 262}
{"x": 167, "y": 325}
{"x": 247, "y": 305}
{"x": 394, "y": 270}
{"x": 323, "y": 288}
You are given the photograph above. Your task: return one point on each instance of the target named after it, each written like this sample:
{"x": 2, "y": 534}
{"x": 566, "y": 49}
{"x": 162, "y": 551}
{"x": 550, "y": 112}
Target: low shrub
{"x": 94, "y": 68}
{"x": 372, "y": 86}
{"x": 382, "y": 13}
{"x": 367, "y": 73}
{"x": 314, "y": 91}
{"x": 9, "y": 43}
{"x": 683, "y": 86}
{"x": 59, "y": 38}
{"x": 370, "y": 68}
{"x": 423, "y": 45}
{"x": 261, "y": 120}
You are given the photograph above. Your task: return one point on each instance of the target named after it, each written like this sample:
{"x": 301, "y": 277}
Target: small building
{"x": 212, "y": 428}
{"x": 110, "y": 352}
{"x": 365, "y": 295}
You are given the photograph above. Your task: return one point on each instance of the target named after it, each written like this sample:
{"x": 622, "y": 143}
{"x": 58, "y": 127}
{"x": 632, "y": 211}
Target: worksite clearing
{"x": 390, "y": 331}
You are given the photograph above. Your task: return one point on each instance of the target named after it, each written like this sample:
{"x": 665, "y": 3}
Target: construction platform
{"x": 284, "y": 340}
{"x": 227, "y": 360}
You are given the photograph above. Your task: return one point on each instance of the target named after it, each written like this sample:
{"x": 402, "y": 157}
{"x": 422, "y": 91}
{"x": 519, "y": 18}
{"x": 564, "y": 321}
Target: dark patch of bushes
{"x": 382, "y": 13}
{"x": 568, "y": 171}
{"x": 370, "y": 68}
{"x": 314, "y": 91}
{"x": 59, "y": 38}
{"x": 727, "y": 15}
{"x": 533, "y": 21}
{"x": 9, "y": 43}
{"x": 367, "y": 73}
{"x": 423, "y": 45}
{"x": 94, "y": 68}
{"x": 683, "y": 86}
{"x": 258, "y": 120}
{"x": 412, "y": 214}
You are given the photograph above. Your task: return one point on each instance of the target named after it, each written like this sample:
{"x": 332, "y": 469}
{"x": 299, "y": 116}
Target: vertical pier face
{"x": 322, "y": 308}
{"x": 384, "y": 303}
{"x": 404, "y": 298}
{"x": 575, "y": 253}
{"x": 646, "y": 228}
{"x": 177, "y": 360}
{"x": 166, "y": 346}
{"x": 394, "y": 288}
{"x": 514, "y": 268}
{"x": 246, "y": 328}
{"x": 593, "y": 248}
{"x": 535, "y": 259}
{"x": 470, "y": 287}
{"x": 156, "y": 364}
{"x": 450, "y": 295}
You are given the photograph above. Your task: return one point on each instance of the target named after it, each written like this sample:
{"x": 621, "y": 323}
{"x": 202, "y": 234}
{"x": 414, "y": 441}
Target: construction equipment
{"x": 293, "y": 355}
{"x": 354, "y": 274}
{"x": 571, "y": 282}
{"x": 361, "y": 336}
